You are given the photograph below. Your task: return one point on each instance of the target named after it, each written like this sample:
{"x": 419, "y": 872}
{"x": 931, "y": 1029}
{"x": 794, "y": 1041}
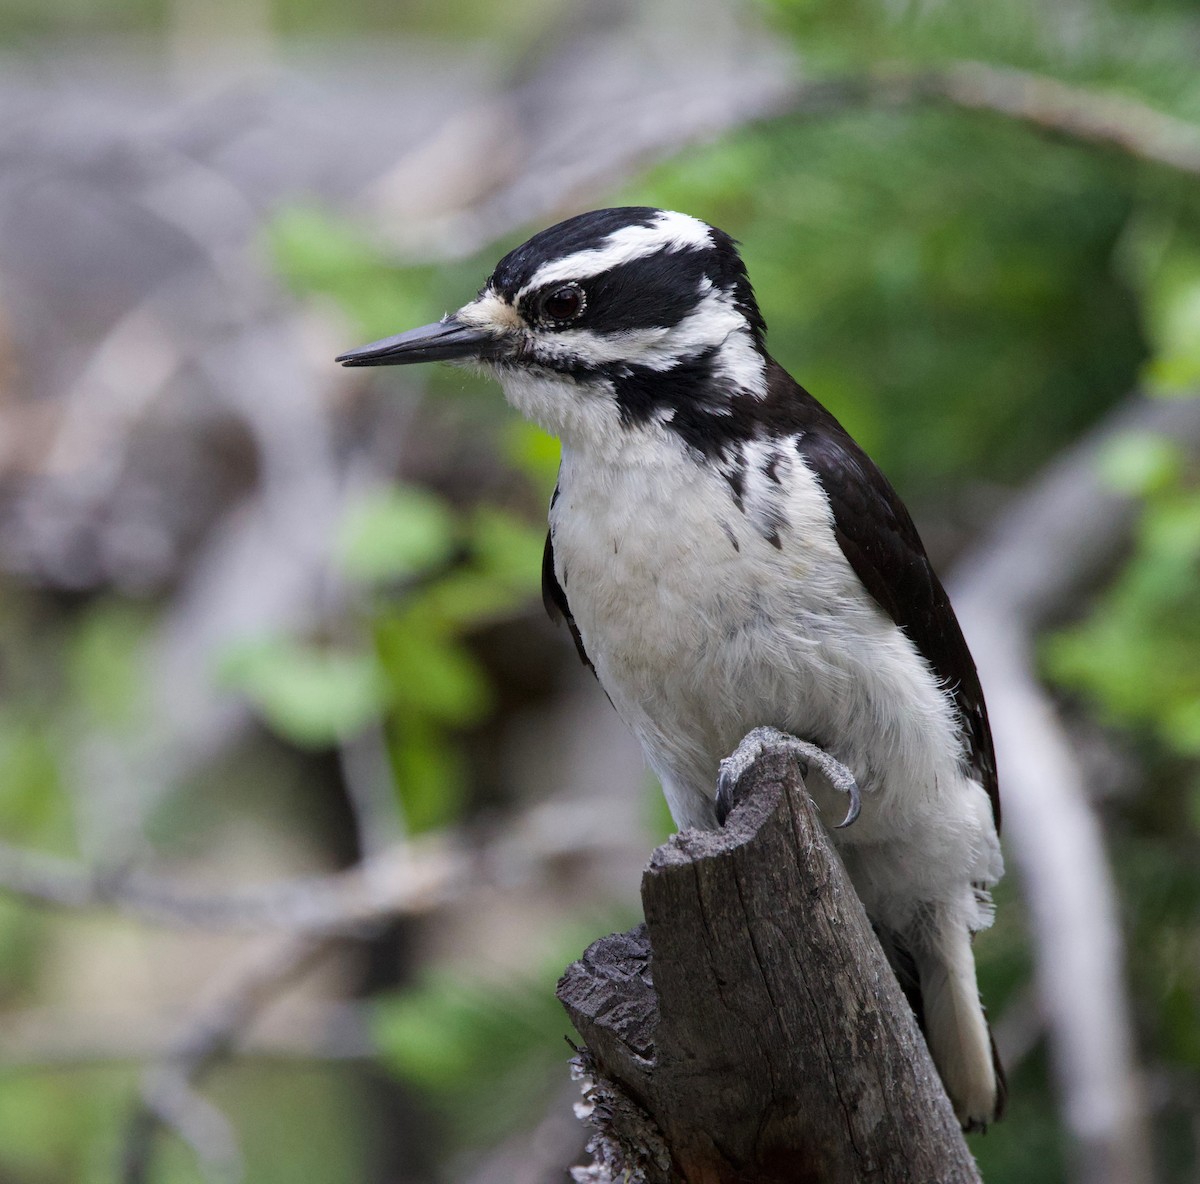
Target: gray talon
{"x": 853, "y": 811}
{"x": 806, "y": 754}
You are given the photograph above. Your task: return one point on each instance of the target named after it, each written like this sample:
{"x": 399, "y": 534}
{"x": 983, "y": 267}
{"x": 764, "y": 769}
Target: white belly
{"x": 697, "y": 640}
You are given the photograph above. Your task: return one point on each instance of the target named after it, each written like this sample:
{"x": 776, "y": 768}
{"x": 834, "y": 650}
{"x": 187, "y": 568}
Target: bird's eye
{"x": 563, "y": 304}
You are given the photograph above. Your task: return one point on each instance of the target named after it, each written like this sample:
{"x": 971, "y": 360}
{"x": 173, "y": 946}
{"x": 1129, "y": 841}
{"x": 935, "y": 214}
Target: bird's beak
{"x": 444, "y": 341}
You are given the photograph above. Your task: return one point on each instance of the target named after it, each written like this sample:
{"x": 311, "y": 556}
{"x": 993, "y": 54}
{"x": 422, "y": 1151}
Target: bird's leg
{"x": 757, "y": 742}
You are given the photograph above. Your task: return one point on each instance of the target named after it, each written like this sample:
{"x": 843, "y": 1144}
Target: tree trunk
{"x": 751, "y": 1031}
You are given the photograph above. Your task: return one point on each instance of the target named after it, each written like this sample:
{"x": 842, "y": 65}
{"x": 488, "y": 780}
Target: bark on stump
{"x": 751, "y": 1031}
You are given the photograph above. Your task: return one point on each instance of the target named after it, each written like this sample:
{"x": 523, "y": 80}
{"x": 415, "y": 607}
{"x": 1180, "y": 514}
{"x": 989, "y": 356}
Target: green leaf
{"x": 428, "y": 772}
{"x": 318, "y": 252}
{"x": 658, "y": 823}
{"x": 315, "y": 249}
{"x": 1140, "y": 462}
{"x": 31, "y": 801}
{"x": 1137, "y": 654}
{"x": 484, "y": 1052}
{"x": 313, "y": 697}
{"x": 534, "y": 452}
{"x": 1181, "y": 727}
{"x": 396, "y": 533}
{"x": 105, "y": 663}
{"x": 508, "y": 549}
{"x": 1161, "y": 259}
{"x": 464, "y": 599}
{"x": 1172, "y": 530}
{"x": 428, "y": 671}
{"x": 1174, "y": 310}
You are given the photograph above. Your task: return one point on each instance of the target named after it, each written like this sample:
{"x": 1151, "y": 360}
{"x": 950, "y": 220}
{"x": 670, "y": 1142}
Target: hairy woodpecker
{"x": 728, "y": 558}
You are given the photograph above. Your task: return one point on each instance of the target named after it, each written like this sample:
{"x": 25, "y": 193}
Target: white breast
{"x": 700, "y": 629}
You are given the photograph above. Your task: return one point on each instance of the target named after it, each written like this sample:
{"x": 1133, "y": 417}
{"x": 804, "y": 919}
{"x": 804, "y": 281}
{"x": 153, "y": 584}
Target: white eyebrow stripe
{"x": 658, "y": 347}
{"x": 715, "y": 322}
{"x": 668, "y": 232}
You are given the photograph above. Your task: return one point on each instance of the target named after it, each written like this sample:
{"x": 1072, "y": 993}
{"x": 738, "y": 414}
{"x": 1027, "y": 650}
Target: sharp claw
{"x": 841, "y": 779}
{"x": 852, "y": 812}
{"x": 806, "y": 754}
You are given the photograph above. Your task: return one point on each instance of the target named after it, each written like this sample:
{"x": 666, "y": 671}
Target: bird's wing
{"x": 876, "y": 534}
{"x": 555, "y": 599}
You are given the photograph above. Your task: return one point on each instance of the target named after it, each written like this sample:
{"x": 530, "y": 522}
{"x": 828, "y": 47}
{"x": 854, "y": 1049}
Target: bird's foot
{"x": 757, "y": 742}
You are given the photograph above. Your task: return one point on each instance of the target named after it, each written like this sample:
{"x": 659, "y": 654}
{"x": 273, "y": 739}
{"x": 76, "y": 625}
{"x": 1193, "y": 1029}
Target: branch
{"x": 1048, "y": 104}
{"x": 59, "y": 1038}
{"x": 536, "y": 1155}
{"x": 686, "y": 116}
{"x": 168, "y": 1095}
{"x": 407, "y": 878}
{"x": 752, "y": 1030}
{"x": 1078, "y": 112}
{"x": 1050, "y": 547}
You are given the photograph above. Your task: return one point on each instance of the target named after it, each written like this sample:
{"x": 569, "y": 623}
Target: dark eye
{"x": 563, "y": 304}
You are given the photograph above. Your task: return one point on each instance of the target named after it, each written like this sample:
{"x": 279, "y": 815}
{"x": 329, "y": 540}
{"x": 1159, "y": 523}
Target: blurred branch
{"x": 1070, "y": 528}
{"x": 536, "y": 1155}
{"x": 371, "y": 792}
{"x": 529, "y": 158}
{"x": 52, "y": 1038}
{"x": 171, "y": 1102}
{"x": 654, "y": 131}
{"x": 168, "y": 1096}
{"x": 1048, "y": 550}
{"x": 1078, "y": 112}
{"x": 1019, "y": 1029}
{"x": 404, "y": 879}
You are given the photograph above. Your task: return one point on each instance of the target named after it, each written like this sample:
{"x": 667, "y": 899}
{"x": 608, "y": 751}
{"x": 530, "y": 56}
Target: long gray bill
{"x": 440, "y": 342}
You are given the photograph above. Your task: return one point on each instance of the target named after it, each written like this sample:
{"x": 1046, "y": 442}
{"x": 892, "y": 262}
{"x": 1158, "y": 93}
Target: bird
{"x": 733, "y": 567}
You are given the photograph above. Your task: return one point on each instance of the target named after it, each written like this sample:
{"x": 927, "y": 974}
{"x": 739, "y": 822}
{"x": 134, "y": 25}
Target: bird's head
{"x": 607, "y": 322}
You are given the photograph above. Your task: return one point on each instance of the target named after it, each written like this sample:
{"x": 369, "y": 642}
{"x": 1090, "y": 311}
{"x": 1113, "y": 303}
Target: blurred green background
{"x": 251, "y": 634}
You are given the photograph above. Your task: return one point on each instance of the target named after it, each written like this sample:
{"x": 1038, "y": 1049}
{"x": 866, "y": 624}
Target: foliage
{"x": 947, "y": 289}
{"x": 506, "y": 29}
{"x": 487, "y": 1049}
{"x": 484, "y": 1053}
{"x": 430, "y": 574}
{"x": 429, "y": 577}
{"x": 1165, "y": 266}
{"x": 1137, "y": 652}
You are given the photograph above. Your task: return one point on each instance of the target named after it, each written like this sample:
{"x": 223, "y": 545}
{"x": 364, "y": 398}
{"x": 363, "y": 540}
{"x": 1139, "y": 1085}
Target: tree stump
{"x": 751, "y": 1031}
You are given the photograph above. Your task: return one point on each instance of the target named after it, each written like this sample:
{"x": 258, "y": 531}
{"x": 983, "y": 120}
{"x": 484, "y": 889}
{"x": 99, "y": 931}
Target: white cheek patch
{"x": 668, "y": 232}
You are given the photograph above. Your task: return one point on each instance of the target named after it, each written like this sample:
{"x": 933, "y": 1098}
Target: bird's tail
{"x": 936, "y": 968}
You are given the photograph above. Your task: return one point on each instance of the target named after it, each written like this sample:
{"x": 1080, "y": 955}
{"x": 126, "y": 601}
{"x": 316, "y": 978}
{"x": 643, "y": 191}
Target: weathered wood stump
{"x": 751, "y": 1031}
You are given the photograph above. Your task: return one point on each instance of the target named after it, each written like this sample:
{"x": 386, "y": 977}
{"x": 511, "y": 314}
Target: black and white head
{"x": 612, "y": 320}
